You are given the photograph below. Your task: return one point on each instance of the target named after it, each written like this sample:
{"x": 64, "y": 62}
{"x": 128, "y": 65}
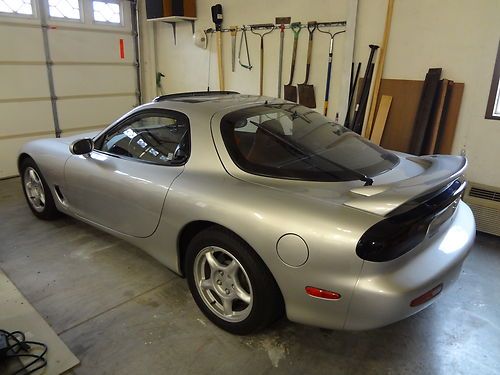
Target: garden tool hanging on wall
{"x": 306, "y": 91}
{"x": 268, "y": 28}
{"x": 291, "y": 91}
{"x": 329, "y": 69}
{"x": 281, "y": 21}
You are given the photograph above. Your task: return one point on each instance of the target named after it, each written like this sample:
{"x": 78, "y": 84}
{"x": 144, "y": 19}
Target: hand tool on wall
{"x": 352, "y": 90}
{"x": 209, "y": 34}
{"x": 243, "y": 39}
{"x": 291, "y": 91}
{"x": 359, "y": 112}
{"x": 306, "y": 91}
{"x": 329, "y": 69}
{"x": 217, "y": 19}
{"x": 253, "y": 28}
{"x": 281, "y": 21}
{"x": 234, "y": 31}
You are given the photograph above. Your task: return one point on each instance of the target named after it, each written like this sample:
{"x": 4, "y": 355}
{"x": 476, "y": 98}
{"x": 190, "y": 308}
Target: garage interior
{"x": 103, "y": 306}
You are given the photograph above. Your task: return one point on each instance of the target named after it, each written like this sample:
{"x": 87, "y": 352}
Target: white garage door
{"x": 66, "y": 66}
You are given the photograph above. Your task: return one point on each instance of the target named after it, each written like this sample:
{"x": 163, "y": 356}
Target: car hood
{"x": 414, "y": 177}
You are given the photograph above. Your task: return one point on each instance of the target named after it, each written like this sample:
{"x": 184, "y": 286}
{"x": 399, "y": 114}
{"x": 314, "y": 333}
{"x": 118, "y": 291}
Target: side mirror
{"x": 82, "y": 146}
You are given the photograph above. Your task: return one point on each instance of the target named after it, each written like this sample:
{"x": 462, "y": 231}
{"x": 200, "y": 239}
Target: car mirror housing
{"x": 82, "y": 146}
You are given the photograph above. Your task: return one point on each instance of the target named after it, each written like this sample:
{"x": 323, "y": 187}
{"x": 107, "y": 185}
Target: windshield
{"x": 291, "y": 141}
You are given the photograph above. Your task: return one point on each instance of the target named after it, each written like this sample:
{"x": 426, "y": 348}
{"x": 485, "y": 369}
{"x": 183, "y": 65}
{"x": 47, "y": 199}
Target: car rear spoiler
{"x": 390, "y": 199}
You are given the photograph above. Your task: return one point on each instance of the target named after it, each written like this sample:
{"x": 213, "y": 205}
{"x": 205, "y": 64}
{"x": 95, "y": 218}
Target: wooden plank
{"x": 425, "y": 109}
{"x": 399, "y": 125}
{"x": 446, "y": 134}
{"x": 438, "y": 115}
{"x": 382, "y": 113}
{"x": 18, "y": 314}
{"x": 380, "y": 68}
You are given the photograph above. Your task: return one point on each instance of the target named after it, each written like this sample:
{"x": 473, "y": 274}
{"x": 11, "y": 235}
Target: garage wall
{"x": 461, "y": 36}
{"x": 186, "y": 66}
{"x": 92, "y": 82}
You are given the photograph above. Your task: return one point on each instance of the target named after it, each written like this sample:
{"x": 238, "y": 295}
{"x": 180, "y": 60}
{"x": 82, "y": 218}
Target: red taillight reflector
{"x": 321, "y": 293}
{"x": 427, "y": 296}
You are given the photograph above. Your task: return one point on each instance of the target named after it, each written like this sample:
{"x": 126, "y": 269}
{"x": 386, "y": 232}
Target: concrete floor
{"x": 121, "y": 312}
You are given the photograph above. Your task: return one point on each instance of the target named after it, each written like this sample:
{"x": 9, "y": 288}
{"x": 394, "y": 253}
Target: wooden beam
{"x": 382, "y": 113}
{"x": 380, "y": 68}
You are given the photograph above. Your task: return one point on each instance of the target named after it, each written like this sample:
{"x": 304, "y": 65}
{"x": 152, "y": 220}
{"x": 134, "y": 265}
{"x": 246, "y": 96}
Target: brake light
{"x": 398, "y": 234}
{"x": 427, "y": 296}
{"x": 321, "y": 293}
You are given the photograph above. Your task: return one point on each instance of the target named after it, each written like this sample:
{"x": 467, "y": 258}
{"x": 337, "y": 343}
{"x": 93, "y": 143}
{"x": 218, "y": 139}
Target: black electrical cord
{"x": 18, "y": 347}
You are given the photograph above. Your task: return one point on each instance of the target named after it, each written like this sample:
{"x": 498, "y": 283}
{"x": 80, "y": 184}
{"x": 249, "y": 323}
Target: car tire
{"x": 221, "y": 267}
{"x": 37, "y": 192}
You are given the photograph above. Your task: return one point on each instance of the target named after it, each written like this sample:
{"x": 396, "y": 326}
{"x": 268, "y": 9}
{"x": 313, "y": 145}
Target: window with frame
{"x": 493, "y": 105}
{"x": 155, "y": 138}
{"x": 65, "y": 9}
{"x": 17, "y": 7}
{"x": 107, "y": 11}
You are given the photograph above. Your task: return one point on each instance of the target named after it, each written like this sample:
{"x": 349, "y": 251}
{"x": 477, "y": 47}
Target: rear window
{"x": 293, "y": 142}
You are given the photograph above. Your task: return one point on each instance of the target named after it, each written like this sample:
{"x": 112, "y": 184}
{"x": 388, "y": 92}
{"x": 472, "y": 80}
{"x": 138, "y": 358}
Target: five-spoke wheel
{"x": 223, "y": 284}
{"x": 36, "y": 191}
{"x": 230, "y": 283}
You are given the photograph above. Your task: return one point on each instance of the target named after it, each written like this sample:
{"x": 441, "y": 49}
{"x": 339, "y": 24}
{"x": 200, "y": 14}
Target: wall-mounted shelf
{"x": 173, "y": 20}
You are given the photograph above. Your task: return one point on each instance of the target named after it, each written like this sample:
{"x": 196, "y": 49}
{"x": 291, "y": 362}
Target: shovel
{"x": 282, "y": 21}
{"x": 291, "y": 91}
{"x": 306, "y": 92}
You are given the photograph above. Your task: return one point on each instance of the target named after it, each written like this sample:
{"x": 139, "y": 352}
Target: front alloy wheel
{"x": 35, "y": 193}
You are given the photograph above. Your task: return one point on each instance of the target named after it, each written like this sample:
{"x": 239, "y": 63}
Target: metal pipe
{"x": 48, "y": 61}
{"x": 134, "y": 17}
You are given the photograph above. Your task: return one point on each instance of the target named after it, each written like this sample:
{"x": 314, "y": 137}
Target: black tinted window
{"x": 153, "y": 138}
{"x": 291, "y": 141}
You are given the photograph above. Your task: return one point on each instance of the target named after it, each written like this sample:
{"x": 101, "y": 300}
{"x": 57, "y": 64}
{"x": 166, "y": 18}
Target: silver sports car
{"x": 266, "y": 207}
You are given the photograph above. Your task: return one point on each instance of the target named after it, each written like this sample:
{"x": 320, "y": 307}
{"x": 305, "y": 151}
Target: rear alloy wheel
{"x": 230, "y": 283}
{"x": 37, "y": 192}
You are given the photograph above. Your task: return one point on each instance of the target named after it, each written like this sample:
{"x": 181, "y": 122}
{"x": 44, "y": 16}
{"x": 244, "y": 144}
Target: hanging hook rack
{"x": 270, "y": 26}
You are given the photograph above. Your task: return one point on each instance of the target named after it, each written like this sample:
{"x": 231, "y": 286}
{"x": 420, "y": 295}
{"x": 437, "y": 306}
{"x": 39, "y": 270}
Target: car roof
{"x": 209, "y": 102}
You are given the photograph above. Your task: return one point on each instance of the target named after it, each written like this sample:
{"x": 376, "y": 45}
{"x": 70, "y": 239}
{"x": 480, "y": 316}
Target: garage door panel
{"x": 93, "y": 80}
{"x": 78, "y": 113}
{"x": 21, "y": 44}
{"x": 23, "y": 81}
{"x": 10, "y": 147}
{"x": 26, "y": 117}
{"x": 74, "y": 45}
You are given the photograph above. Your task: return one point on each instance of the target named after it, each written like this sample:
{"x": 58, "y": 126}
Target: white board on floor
{"x": 17, "y": 314}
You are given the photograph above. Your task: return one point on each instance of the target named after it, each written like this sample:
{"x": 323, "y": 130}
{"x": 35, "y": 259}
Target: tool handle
{"x": 309, "y": 54}
{"x": 328, "y": 78}
{"x": 261, "y": 65}
{"x": 280, "y": 63}
{"x": 220, "y": 61}
{"x": 294, "y": 56}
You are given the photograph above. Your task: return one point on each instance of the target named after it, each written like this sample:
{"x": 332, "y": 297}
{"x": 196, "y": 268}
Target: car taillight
{"x": 396, "y": 235}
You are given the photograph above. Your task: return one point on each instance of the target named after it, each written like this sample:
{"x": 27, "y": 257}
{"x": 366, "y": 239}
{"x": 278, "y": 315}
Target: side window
{"x": 152, "y": 138}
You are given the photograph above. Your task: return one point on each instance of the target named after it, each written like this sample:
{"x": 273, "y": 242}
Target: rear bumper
{"x": 384, "y": 291}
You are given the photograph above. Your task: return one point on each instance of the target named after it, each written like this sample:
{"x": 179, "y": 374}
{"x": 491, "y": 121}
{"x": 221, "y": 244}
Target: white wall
{"x": 461, "y": 36}
{"x": 186, "y": 66}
